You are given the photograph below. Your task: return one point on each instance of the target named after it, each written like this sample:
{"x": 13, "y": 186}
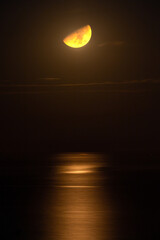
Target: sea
{"x": 80, "y": 196}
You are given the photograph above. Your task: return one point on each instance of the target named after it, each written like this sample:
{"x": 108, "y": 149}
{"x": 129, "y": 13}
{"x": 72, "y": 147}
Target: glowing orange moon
{"x": 79, "y": 38}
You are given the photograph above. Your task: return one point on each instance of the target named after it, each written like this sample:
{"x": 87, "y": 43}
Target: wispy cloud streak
{"x": 111, "y": 83}
{"x": 50, "y": 78}
{"x": 111, "y": 43}
{"x": 107, "y": 83}
{"x": 132, "y": 86}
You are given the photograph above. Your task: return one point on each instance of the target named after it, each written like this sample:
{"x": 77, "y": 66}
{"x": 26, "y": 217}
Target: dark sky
{"x": 97, "y": 98}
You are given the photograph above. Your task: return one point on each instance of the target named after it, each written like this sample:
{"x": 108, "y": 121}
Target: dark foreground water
{"x": 80, "y": 196}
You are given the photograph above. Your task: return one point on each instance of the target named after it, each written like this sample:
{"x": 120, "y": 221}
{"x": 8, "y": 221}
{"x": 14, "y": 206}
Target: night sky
{"x": 101, "y": 97}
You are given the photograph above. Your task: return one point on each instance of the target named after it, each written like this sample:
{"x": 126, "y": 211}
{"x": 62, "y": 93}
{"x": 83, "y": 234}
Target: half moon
{"x": 79, "y": 38}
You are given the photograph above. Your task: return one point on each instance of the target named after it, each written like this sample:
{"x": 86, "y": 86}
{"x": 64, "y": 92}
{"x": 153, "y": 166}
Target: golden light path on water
{"x": 78, "y": 210}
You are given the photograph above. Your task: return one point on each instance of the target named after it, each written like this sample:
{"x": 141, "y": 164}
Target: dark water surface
{"x": 81, "y": 196}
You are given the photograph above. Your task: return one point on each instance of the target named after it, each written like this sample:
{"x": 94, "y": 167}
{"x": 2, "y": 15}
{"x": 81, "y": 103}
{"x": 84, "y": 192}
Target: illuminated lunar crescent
{"x": 79, "y": 38}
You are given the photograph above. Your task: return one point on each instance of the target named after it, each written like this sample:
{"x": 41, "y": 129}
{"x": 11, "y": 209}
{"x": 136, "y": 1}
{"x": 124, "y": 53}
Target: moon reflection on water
{"x": 78, "y": 210}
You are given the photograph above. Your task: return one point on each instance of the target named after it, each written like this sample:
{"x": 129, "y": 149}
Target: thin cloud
{"x": 109, "y": 83}
{"x": 50, "y": 78}
{"x": 111, "y": 43}
{"x": 86, "y": 90}
{"x": 117, "y": 90}
{"x": 22, "y": 92}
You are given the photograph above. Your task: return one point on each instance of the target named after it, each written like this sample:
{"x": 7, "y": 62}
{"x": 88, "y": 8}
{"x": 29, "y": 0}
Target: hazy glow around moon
{"x": 79, "y": 38}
